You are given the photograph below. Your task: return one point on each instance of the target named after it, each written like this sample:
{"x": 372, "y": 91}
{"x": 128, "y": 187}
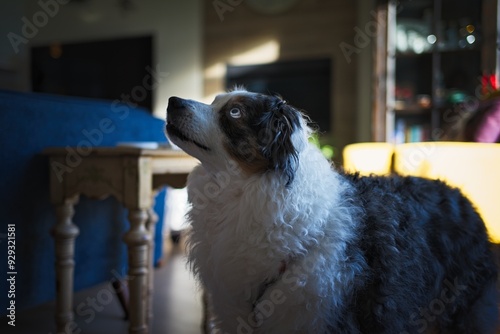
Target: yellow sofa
{"x": 472, "y": 167}
{"x": 368, "y": 158}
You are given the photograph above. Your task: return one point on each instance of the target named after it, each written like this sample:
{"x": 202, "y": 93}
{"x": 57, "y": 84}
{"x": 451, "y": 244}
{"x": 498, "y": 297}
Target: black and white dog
{"x": 284, "y": 243}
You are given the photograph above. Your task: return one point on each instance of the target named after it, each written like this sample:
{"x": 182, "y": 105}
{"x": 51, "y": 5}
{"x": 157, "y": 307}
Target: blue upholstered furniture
{"x": 29, "y": 123}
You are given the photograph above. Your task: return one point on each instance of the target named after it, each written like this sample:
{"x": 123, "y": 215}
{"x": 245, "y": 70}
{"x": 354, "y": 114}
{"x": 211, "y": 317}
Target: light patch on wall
{"x": 264, "y": 53}
{"x": 215, "y": 71}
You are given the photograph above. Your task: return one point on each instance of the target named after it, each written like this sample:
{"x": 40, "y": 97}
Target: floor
{"x": 177, "y": 306}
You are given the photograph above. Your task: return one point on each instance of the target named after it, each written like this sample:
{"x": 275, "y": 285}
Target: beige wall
{"x": 311, "y": 29}
{"x": 175, "y": 25}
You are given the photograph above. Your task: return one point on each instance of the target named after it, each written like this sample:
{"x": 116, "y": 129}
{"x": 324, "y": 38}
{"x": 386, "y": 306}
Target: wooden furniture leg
{"x": 138, "y": 240}
{"x": 65, "y": 233}
{"x": 151, "y": 227}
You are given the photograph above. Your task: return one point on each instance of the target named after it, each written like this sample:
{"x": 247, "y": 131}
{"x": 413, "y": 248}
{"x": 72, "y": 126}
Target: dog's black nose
{"x": 176, "y": 102}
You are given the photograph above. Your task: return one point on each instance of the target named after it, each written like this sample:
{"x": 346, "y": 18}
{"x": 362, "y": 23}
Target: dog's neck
{"x": 230, "y": 172}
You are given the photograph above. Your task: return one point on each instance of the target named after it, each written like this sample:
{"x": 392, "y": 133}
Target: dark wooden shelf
{"x": 440, "y": 51}
{"x": 411, "y": 110}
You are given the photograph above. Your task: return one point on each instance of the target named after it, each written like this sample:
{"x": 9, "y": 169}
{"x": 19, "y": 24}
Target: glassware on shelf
{"x": 413, "y": 36}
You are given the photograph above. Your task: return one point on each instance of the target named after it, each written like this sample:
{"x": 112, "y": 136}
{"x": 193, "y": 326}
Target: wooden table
{"x": 133, "y": 176}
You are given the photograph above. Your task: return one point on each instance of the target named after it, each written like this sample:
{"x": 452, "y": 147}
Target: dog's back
{"x": 429, "y": 260}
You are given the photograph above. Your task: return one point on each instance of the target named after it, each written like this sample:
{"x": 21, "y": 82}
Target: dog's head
{"x": 260, "y": 133}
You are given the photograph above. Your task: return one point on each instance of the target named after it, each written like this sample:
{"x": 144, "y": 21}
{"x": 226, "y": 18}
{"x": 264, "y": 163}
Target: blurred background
{"x": 101, "y": 49}
{"x": 393, "y": 72}
{"x": 363, "y": 70}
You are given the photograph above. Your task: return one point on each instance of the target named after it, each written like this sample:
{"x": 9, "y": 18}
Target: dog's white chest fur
{"x": 245, "y": 229}
{"x": 231, "y": 228}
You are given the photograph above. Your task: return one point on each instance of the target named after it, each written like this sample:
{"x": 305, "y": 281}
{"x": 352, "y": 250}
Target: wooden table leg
{"x": 151, "y": 226}
{"x": 65, "y": 233}
{"x": 138, "y": 240}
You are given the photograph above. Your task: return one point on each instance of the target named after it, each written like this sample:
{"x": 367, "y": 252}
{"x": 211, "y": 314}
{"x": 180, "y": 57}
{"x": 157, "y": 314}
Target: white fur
{"x": 244, "y": 227}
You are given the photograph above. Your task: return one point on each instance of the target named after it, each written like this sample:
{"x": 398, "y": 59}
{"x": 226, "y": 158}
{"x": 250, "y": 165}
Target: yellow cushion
{"x": 368, "y": 158}
{"x": 472, "y": 167}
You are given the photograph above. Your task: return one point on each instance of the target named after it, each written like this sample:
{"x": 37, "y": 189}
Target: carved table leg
{"x": 151, "y": 226}
{"x": 64, "y": 233}
{"x": 138, "y": 240}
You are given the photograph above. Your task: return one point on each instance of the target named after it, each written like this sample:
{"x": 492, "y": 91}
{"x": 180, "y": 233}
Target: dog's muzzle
{"x": 176, "y": 103}
{"x": 179, "y": 116}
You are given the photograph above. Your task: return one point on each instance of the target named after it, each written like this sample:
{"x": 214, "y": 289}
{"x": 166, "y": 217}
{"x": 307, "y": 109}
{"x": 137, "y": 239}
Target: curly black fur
{"x": 280, "y": 121}
{"x": 429, "y": 261}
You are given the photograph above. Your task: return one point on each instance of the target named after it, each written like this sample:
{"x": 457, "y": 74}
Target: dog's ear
{"x": 280, "y": 122}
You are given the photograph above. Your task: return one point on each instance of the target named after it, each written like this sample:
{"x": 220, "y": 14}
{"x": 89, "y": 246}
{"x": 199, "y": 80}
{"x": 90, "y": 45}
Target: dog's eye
{"x": 235, "y": 113}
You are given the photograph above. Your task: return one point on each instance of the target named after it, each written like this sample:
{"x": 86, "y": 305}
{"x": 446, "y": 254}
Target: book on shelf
{"x": 410, "y": 132}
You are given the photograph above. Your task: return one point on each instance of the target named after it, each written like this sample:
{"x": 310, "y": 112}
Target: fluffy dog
{"x": 284, "y": 243}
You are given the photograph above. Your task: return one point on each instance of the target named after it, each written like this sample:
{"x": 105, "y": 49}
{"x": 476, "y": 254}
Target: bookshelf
{"x": 433, "y": 61}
